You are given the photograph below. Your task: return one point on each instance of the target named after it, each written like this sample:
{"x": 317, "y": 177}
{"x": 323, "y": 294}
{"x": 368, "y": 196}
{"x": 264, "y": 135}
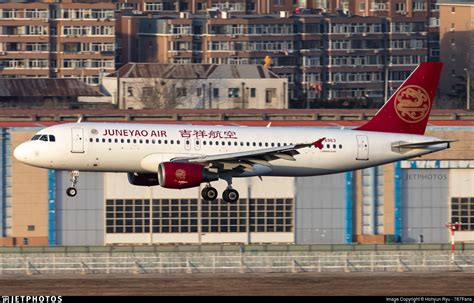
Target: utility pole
{"x": 468, "y": 89}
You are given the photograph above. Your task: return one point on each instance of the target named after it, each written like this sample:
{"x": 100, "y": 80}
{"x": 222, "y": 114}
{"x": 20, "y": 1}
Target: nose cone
{"x": 21, "y": 153}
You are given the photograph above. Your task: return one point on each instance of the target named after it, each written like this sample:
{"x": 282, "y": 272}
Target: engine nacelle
{"x": 183, "y": 175}
{"x": 143, "y": 179}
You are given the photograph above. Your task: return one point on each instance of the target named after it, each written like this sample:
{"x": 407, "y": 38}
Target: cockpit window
{"x": 45, "y": 138}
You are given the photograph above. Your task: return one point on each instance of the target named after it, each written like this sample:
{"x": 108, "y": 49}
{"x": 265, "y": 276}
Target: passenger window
{"x": 328, "y": 146}
{"x": 128, "y": 140}
{"x": 134, "y": 141}
{"x": 171, "y": 142}
{"x": 204, "y": 143}
{"x": 103, "y": 140}
{"x": 266, "y": 144}
{"x": 334, "y": 146}
{"x": 110, "y": 140}
{"x": 166, "y": 141}
{"x": 210, "y": 142}
{"x": 91, "y": 140}
{"x": 159, "y": 141}
{"x": 122, "y": 140}
{"x": 140, "y": 141}
{"x": 229, "y": 143}
{"x": 153, "y": 141}
{"x": 52, "y": 138}
{"x": 177, "y": 141}
{"x": 259, "y": 143}
{"x": 97, "y": 140}
{"x": 146, "y": 141}
{"x": 223, "y": 143}
{"x": 116, "y": 140}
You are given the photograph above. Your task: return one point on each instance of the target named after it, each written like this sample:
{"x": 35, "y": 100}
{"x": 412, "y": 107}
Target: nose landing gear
{"x": 72, "y": 191}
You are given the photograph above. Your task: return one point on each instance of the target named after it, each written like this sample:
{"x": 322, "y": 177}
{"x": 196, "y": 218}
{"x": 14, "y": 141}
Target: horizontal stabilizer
{"x": 420, "y": 144}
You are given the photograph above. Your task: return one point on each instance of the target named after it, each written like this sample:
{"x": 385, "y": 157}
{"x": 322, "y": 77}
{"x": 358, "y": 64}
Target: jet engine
{"x": 143, "y": 179}
{"x": 183, "y": 175}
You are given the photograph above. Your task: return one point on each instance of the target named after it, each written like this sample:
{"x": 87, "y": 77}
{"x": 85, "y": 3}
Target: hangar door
{"x": 425, "y": 205}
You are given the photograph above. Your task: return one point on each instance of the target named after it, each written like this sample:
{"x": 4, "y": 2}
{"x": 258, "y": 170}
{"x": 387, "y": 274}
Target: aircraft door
{"x": 362, "y": 148}
{"x": 77, "y": 136}
{"x": 187, "y": 144}
{"x": 197, "y": 144}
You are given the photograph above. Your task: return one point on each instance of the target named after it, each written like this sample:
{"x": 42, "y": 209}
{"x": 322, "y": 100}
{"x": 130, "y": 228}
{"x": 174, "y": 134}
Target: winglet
{"x": 408, "y": 109}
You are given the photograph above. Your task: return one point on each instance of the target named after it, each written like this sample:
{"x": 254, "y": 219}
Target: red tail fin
{"x": 408, "y": 109}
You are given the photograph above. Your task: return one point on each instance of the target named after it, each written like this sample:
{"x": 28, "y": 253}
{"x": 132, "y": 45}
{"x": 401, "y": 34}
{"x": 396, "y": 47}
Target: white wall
{"x": 191, "y": 100}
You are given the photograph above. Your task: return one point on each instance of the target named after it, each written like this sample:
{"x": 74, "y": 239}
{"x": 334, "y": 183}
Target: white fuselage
{"x": 126, "y": 147}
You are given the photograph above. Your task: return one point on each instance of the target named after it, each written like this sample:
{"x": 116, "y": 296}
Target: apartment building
{"x": 203, "y": 6}
{"x": 62, "y": 39}
{"x": 324, "y": 57}
{"x": 457, "y": 49}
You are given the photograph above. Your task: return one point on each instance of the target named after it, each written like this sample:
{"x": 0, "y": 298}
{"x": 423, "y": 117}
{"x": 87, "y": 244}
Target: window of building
{"x": 26, "y": 241}
{"x": 362, "y": 6}
{"x": 253, "y": 92}
{"x": 419, "y": 5}
{"x": 130, "y": 91}
{"x": 31, "y": 228}
{"x": 453, "y": 9}
{"x": 234, "y": 92}
{"x": 181, "y": 92}
{"x": 270, "y": 93}
{"x": 215, "y": 92}
{"x": 462, "y": 212}
{"x": 181, "y": 215}
{"x": 400, "y": 7}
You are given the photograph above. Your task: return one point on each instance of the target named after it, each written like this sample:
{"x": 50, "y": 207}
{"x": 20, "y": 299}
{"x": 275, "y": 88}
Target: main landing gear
{"x": 229, "y": 195}
{"x": 72, "y": 191}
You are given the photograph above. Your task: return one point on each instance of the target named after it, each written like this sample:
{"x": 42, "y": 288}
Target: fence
{"x": 233, "y": 262}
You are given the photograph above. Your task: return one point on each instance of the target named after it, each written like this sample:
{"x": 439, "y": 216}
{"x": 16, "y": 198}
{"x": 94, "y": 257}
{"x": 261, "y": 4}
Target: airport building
{"x": 408, "y": 201}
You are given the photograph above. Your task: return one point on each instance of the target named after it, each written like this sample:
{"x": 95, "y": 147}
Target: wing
{"x": 247, "y": 159}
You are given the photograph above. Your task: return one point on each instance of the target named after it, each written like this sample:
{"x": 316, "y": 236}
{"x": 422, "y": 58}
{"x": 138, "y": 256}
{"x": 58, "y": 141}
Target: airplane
{"x": 184, "y": 156}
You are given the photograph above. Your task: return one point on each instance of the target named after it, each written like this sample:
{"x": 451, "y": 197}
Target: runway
{"x": 312, "y": 284}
